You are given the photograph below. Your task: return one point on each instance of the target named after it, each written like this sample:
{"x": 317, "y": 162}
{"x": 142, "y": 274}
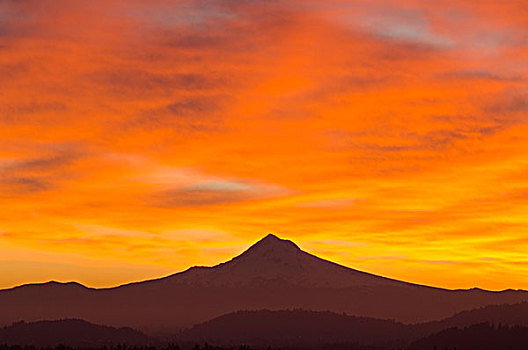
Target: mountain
{"x": 75, "y": 333}
{"x": 273, "y": 260}
{"x": 272, "y": 274}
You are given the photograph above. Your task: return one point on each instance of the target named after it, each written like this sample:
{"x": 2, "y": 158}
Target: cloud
{"x": 196, "y": 114}
{"x": 407, "y": 26}
{"x": 198, "y": 235}
{"x": 45, "y": 164}
{"x": 128, "y": 83}
{"x": 329, "y": 203}
{"x": 219, "y": 186}
{"x": 192, "y": 106}
{"x": 13, "y": 185}
{"x": 214, "y": 193}
{"x": 512, "y": 101}
{"x": 478, "y": 75}
{"x": 24, "y": 112}
{"x": 443, "y": 262}
{"x": 59, "y": 155}
{"x": 99, "y": 230}
{"x": 183, "y": 14}
{"x": 33, "y": 175}
{"x": 336, "y": 243}
{"x": 396, "y": 22}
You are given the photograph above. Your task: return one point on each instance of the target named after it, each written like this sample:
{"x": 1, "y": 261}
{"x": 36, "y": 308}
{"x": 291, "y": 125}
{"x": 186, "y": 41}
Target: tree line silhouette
{"x": 277, "y": 330}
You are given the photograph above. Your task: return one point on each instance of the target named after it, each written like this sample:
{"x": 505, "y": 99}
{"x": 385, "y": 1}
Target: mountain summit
{"x": 273, "y": 260}
{"x": 270, "y": 249}
{"x": 271, "y": 245}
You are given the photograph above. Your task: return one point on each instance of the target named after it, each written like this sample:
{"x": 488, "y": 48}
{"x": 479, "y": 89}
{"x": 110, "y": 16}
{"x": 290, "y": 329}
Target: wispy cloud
{"x": 215, "y": 192}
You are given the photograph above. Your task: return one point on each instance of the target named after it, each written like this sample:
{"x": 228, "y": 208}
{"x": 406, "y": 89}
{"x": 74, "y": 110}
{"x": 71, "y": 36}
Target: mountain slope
{"x": 272, "y": 274}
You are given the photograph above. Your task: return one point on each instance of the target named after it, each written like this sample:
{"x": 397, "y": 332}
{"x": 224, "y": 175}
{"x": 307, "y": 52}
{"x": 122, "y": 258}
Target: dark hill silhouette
{"x": 483, "y": 336}
{"x": 272, "y": 274}
{"x": 309, "y": 328}
{"x": 296, "y": 328}
{"x": 77, "y": 333}
{"x": 289, "y": 329}
{"x": 507, "y": 314}
{"x": 513, "y": 314}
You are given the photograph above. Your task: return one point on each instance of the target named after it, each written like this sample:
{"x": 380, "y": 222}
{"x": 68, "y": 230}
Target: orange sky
{"x": 138, "y": 138}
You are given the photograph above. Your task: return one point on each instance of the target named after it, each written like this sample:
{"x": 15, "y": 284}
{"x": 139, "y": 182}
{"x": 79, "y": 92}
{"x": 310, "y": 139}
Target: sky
{"x": 139, "y": 138}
